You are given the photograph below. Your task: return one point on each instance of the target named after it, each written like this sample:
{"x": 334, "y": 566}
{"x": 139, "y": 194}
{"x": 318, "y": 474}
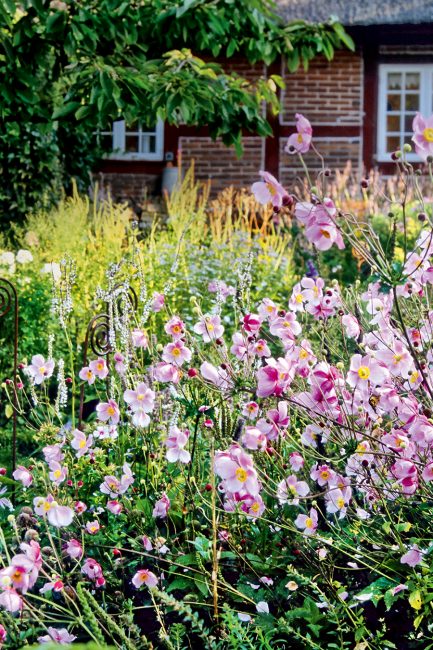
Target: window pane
{"x": 393, "y": 103}
{"x": 394, "y": 81}
{"x": 412, "y": 80}
{"x": 148, "y": 143}
{"x": 393, "y": 123}
{"x": 131, "y": 143}
{"x": 412, "y": 102}
{"x": 408, "y": 119}
{"x": 393, "y": 143}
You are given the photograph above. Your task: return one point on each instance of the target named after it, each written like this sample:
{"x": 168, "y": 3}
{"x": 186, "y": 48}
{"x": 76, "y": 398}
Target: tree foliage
{"x": 69, "y": 68}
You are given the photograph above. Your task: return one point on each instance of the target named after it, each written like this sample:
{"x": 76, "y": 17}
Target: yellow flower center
{"x": 209, "y": 326}
{"x": 364, "y": 372}
{"x": 140, "y": 397}
{"x": 57, "y": 473}
{"x": 428, "y": 134}
{"x": 309, "y": 523}
{"x": 324, "y": 475}
{"x": 303, "y": 354}
{"x": 42, "y": 370}
{"x": 176, "y": 329}
{"x": 325, "y": 233}
{"x": 397, "y": 358}
{"x": 175, "y": 352}
{"x": 111, "y": 410}
{"x": 82, "y": 444}
{"x": 413, "y": 377}
{"x": 269, "y": 309}
{"x": 271, "y": 189}
{"x": 100, "y": 366}
{"x": 89, "y": 374}
{"x": 47, "y": 506}
{"x": 241, "y": 474}
{"x": 299, "y": 298}
{"x": 299, "y": 138}
{"x": 340, "y": 503}
{"x": 255, "y": 507}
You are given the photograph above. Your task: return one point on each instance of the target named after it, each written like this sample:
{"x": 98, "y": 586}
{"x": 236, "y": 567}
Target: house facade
{"x": 361, "y": 105}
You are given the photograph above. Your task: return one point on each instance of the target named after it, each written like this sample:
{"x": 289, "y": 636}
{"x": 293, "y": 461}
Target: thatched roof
{"x": 359, "y": 12}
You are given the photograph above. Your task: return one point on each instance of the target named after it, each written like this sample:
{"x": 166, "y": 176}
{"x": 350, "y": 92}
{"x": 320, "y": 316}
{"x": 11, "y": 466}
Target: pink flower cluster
{"x": 240, "y": 484}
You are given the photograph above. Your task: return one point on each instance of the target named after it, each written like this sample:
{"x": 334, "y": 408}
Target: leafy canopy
{"x": 75, "y": 66}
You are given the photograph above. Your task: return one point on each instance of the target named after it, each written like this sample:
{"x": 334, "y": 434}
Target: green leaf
{"x": 417, "y": 621}
{"x": 83, "y": 112}
{"x": 203, "y": 587}
{"x": 65, "y": 110}
{"x": 185, "y": 7}
{"x": 179, "y": 583}
{"x": 344, "y": 36}
{"x": 106, "y": 83}
{"x": 55, "y": 22}
{"x": 10, "y": 6}
{"x": 231, "y": 48}
{"x": 203, "y": 547}
{"x": 9, "y": 411}
{"x": 415, "y": 600}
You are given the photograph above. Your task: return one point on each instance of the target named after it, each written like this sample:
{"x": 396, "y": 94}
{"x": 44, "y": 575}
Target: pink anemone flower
{"x": 307, "y": 523}
{"x": 300, "y": 142}
{"x": 423, "y": 135}
{"x": 144, "y": 577}
{"x": 40, "y": 369}
{"x": 269, "y": 190}
{"x": 108, "y": 411}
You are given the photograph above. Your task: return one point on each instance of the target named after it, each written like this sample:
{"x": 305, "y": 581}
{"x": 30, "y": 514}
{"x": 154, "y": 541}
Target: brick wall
{"x": 335, "y": 151}
{"x": 330, "y": 92}
{"x": 215, "y": 161}
{"x": 243, "y": 68}
{"x": 129, "y": 186}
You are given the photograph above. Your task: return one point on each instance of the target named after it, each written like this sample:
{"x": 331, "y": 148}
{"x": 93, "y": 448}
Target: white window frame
{"x": 425, "y": 71}
{"x": 119, "y": 133}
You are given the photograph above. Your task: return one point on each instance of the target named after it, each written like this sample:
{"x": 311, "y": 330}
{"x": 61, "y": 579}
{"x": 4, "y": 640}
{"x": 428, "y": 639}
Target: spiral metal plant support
{"x": 9, "y": 304}
{"x": 98, "y": 336}
{"x": 98, "y": 339}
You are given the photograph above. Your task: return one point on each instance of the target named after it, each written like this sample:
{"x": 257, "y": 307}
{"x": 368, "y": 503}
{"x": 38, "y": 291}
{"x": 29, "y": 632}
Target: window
{"x": 135, "y": 142}
{"x": 403, "y": 90}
